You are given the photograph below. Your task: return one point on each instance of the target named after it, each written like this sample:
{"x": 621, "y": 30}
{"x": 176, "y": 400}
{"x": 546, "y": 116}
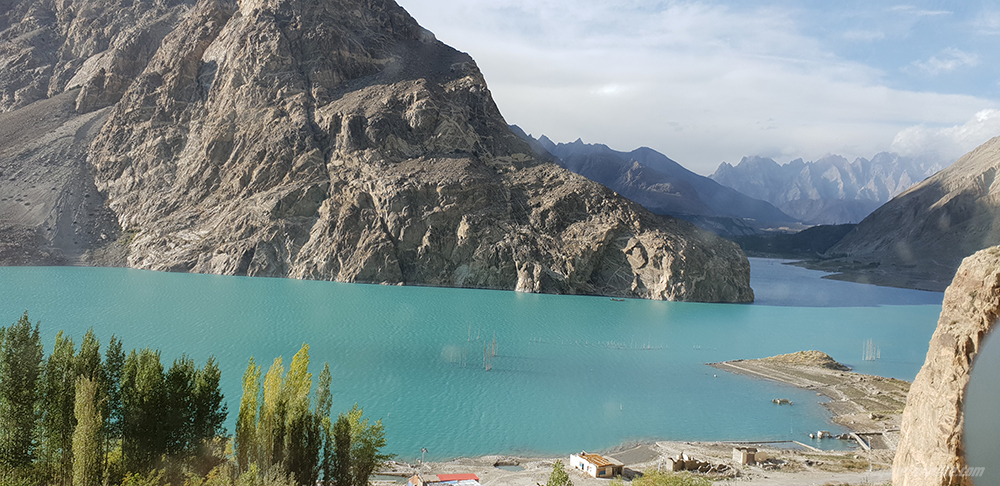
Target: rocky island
{"x": 297, "y": 138}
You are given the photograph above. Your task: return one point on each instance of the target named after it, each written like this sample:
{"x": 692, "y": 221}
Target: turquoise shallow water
{"x": 571, "y": 372}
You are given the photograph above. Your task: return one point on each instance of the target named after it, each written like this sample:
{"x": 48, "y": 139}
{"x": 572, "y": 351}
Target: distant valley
{"x": 889, "y": 220}
{"x": 663, "y": 186}
{"x": 830, "y": 190}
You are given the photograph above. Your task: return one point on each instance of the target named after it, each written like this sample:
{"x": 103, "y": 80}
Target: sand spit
{"x": 871, "y": 406}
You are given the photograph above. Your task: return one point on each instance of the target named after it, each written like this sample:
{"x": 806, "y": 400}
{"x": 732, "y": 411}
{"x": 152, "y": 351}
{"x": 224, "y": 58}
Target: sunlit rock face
{"x": 935, "y": 224}
{"x": 931, "y": 450}
{"x": 339, "y": 140}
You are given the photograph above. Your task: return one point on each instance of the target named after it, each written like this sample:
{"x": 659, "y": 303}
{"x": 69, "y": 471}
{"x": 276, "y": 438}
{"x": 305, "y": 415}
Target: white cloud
{"x": 701, "y": 83}
{"x": 947, "y": 144}
{"x": 987, "y": 23}
{"x": 948, "y": 60}
{"x": 912, "y": 10}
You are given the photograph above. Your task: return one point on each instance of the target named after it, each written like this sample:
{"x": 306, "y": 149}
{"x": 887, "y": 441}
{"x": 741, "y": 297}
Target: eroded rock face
{"x": 51, "y": 46}
{"x": 340, "y": 140}
{"x": 931, "y": 450}
{"x": 924, "y": 233}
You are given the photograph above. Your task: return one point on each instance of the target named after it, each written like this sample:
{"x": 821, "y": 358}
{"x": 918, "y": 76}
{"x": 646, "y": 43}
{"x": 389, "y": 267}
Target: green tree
{"x": 324, "y": 401}
{"x": 88, "y": 360}
{"x": 246, "y": 421}
{"x": 58, "y": 393}
{"x": 271, "y": 420}
{"x": 559, "y": 476}
{"x": 20, "y": 367}
{"x": 87, "y": 434}
{"x": 303, "y": 442}
{"x": 367, "y": 441}
{"x": 341, "y": 452}
{"x": 209, "y": 408}
{"x": 178, "y": 407}
{"x": 143, "y": 394}
{"x": 111, "y": 409}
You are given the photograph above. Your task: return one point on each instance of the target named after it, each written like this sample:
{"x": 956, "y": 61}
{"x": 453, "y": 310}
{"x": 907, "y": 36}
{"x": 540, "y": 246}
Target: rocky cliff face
{"x": 931, "y": 449}
{"x": 931, "y": 227}
{"x": 340, "y": 140}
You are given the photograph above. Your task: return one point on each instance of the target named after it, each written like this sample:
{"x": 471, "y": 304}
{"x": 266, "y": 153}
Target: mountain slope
{"x": 339, "y": 140}
{"x": 930, "y": 228}
{"x": 830, "y": 190}
{"x": 658, "y": 183}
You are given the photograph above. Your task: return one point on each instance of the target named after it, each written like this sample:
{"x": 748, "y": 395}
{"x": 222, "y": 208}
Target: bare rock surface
{"x": 339, "y": 140}
{"x": 50, "y": 211}
{"x": 931, "y": 450}
{"x": 919, "y": 238}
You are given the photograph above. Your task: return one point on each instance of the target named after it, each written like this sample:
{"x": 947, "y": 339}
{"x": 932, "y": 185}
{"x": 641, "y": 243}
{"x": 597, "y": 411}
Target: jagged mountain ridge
{"x": 658, "y": 183}
{"x": 340, "y": 140}
{"x": 930, "y": 228}
{"x": 830, "y": 190}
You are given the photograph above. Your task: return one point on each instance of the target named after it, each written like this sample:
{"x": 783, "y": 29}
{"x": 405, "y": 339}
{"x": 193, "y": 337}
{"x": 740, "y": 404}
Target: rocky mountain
{"x": 304, "y": 138}
{"x": 925, "y": 233}
{"x": 830, "y": 190}
{"x": 931, "y": 434}
{"x": 663, "y": 186}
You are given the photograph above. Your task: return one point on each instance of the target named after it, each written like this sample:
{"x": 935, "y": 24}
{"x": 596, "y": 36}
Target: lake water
{"x": 570, "y": 373}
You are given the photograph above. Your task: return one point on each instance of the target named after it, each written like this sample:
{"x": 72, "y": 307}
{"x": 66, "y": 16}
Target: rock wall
{"x": 319, "y": 139}
{"x": 931, "y": 450}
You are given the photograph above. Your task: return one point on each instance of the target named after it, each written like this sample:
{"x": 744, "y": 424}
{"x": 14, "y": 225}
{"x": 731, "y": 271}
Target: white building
{"x": 597, "y": 465}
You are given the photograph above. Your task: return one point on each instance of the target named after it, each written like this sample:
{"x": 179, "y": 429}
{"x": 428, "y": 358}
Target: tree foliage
{"x": 246, "y": 421}
{"x": 73, "y": 418}
{"x": 559, "y": 476}
{"x": 86, "y": 446}
{"x": 20, "y": 367}
{"x": 294, "y": 431}
{"x": 57, "y": 394}
{"x": 652, "y": 477}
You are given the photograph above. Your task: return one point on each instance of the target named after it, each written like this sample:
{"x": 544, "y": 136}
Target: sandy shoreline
{"x": 791, "y": 466}
{"x": 868, "y": 405}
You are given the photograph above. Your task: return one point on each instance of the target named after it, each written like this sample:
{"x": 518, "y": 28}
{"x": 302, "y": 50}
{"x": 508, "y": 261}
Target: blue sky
{"x": 712, "y": 81}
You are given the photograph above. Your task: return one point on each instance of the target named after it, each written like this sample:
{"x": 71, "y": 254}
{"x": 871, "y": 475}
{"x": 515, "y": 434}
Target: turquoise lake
{"x": 571, "y": 372}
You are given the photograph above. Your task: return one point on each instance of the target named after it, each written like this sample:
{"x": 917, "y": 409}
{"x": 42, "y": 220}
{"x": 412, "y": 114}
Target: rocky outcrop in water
{"x": 340, "y": 140}
{"x": 931, "y": 450}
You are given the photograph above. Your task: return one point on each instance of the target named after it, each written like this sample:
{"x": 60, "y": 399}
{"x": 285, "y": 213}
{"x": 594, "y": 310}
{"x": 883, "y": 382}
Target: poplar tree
{"x": 367, "y": 441}
{"x": 246, "y": 421}
{"x": 88, "y": 361}
{"x": 210, "y": 411}
{"x": 111, "y": 409}
{"x": 341, "y": 452}
{"x": 143, "y": 430}
{"x": 324, "y": 401}
{"x": 271, "y": 421}
{"x": 178, "y": 407}
{"x": 57, "y": 396}
{"x": 87, "y": 434}
{"x": 20, "y": 367}
{"x": 302, "y": 439}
